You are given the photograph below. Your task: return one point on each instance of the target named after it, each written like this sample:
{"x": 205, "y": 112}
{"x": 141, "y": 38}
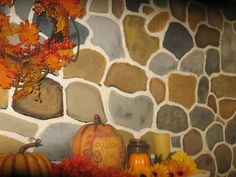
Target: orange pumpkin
{"x": 101, "y": 143}
{"x": 25, "y": 164}
{"x": 139, "y": 160}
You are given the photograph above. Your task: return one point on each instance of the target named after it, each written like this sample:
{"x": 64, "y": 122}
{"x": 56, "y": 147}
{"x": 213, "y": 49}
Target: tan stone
{"x": 158, "y": 89}
{"x": 83, "y": 3}
{"x": 196, "y": 15}
{"x": 214, "y": 17}
{"x": 126, "y": 77}
{"x": 158, "y": 22}
{"x": 83, "y": 101}
{"x": 192, "y": 142}
{"x": 89, "y": 66}
{"x": 117, "y": 7}
{"x": 3, "y": 98}
{"x": 224, "y": 86}
{"x": 14, "y": 124}
{"x": 147, "y": 9}
{"x": 234, "y": 27}
{"x": 51, "y": 105}
{"x": 140, "y": 45}
{"x": 8, "y": 144}
{"x": 100, "y": 6}
{"x": 227, "y": 108}
{"x": 182, "y": 89}
{"x": 211, "y": 102}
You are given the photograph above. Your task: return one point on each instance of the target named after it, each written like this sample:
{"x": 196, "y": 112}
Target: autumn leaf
{"x": 28, "y": 33}
{"x": 8, "y": 3}
{"x": 72, "y": 8}
{"x": 61, "y": 24}
{"x": 6, "y": 76}
{"x": 54, "y": 63}
{"x": 66, "y": 53}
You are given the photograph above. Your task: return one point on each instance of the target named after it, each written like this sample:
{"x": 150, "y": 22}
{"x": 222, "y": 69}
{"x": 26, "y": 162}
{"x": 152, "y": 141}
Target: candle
{"x": 162, "y": 145}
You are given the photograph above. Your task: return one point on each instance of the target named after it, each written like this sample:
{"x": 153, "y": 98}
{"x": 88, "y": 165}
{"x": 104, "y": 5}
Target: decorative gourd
{"x": 25, "y": 164}
{"x": 138, "y": 160}
{"x": 101, "y": 143}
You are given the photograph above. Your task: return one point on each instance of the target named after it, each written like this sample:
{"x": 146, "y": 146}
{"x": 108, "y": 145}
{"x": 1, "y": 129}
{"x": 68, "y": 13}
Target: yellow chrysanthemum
{"x": 142, "y": 172}
{"x": 185, "y": 162}
{"x": 159, "y": 170}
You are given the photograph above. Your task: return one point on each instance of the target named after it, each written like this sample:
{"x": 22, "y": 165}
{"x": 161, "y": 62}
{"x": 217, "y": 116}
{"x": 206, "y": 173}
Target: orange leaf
{"x": 54, "y": 63}
{"x": 28, "y": 33}
{"x": 73, "y": 9}
{"x": 6, "y": 76}
{"x": 8, "y": 3}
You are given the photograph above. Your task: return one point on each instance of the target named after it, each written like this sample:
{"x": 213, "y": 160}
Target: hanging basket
{"x": 25, "y": 63}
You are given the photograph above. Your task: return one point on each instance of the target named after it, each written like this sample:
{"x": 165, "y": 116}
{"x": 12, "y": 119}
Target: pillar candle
{"x": 162, "y": 145}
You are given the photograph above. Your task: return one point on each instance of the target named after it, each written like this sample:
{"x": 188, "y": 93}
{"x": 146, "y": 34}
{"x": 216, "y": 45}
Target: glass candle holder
{"x": 138, "y": 153}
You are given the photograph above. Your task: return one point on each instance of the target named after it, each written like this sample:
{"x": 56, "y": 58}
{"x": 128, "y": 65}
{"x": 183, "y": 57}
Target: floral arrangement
{"x": 27, "y": 59}
{"x": 179, "y": 165}
{"x": 79, "y": 166}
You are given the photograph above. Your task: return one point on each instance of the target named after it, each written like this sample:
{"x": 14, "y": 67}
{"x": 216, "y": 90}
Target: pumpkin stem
{"x": 36, "y": 143}
{"x": 97, "y": 119}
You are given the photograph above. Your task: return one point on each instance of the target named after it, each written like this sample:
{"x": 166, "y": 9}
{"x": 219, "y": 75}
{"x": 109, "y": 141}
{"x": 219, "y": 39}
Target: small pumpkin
{"x": 25, "y": 164}
{"x": 101, "y": 143}
{"x": 139, "y": 160}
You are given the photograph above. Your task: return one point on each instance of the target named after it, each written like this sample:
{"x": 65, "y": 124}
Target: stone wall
{"x": 144, "y": 66}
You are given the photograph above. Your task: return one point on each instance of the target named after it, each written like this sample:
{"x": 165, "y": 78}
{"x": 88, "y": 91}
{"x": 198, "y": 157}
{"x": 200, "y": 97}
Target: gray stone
{"x": 83, "y": 32}
{"x": 178, "y": 9}
{"x": 223, "y": 157}
{"x": 203, "y": 89}
{"x": 228, "y": 53}
{"x": 57, "y": 140}
{"x": 23, "y": 8}
{"x": 175, "y": 141}
{"x": 83, "y": 102}
{"x": 229, "y": 10}
{"x": 135, "y": 113}
{"x": 214, "y": 135}
{"x": 192, "y": 137}
{"x": 171, "y": 118}
{"x": 134, "y": 5}
{"x": 201, "y": 117}
{"x": 14, "y": 124}
{"x": 212, "y": 61}
{"x": 45, "y": 26}
{"x": 193, "y": 62}
{"x": 162, "y": 64}
{"x": 51, "y": 104}
{"x": 230, "y": 133}
{"x": 160, "y": 3}
{"x": 206, "y": 162}
{"x": 107, "y": 35}
{"x": 4, "y": 9}
{"x": 174, "y": 42}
